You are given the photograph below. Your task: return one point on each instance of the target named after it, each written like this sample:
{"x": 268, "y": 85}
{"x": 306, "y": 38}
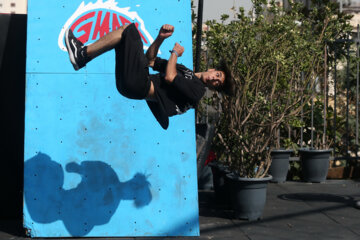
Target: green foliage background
{"x": 267, "y": 50}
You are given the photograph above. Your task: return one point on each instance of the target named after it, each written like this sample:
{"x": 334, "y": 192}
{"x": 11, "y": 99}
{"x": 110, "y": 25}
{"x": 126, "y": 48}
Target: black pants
{"x": 132, "y": 72}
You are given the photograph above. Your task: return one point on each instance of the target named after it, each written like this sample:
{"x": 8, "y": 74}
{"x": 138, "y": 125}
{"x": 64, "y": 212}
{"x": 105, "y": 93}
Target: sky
{"x": 213, "y": 9}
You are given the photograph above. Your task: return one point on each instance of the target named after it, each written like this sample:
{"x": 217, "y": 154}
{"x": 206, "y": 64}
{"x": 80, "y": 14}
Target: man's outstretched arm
{"x": 165, "y": 32}
{"x": 189, "y": 89}
{"x": 171, "y": 72}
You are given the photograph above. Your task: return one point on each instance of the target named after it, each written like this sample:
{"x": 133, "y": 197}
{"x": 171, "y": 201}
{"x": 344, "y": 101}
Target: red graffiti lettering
{"x": 115, "y": 23}
{"x": 124, "y": 21}
{"x": 101, "y": 27}
{"x": 86, "y": 27}
{"x": 143, "y": 38}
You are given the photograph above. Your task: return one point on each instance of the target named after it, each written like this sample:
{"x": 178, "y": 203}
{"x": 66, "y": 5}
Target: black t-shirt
{"x": 182, "y": 94}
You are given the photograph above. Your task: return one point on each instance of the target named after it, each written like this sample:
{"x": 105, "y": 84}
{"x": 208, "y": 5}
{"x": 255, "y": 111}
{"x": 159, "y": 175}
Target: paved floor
{"x": 294, "y": 210}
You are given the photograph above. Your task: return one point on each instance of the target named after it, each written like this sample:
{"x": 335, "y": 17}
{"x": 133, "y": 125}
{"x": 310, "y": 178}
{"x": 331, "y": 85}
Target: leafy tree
{"x": 266, "y": 51}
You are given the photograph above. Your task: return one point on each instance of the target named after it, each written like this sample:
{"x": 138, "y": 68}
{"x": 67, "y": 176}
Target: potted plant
{"x": 280, "y": 157}
{"x": 316, "y": 157}
{"x": 265, "y": 55}
{"x": 280, "y": 164}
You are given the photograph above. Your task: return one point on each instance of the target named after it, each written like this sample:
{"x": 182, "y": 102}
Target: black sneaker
{"x": 76, "y": 50}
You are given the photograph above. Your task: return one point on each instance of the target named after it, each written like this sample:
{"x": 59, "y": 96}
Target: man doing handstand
{"x": 173, "y": 91}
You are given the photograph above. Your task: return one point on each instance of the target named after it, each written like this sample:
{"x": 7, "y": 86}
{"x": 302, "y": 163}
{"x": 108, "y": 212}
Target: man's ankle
{"x": 85, "y": 54}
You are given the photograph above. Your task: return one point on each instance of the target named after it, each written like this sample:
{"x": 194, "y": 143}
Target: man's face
{"x": 214, "y": 78}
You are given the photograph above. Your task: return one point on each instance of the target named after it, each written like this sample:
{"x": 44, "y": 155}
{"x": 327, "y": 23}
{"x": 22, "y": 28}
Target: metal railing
{"x": 352, "y": 52}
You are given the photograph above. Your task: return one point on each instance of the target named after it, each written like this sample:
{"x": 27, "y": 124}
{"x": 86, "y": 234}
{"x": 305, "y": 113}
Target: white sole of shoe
{"x": 71, "y": 54}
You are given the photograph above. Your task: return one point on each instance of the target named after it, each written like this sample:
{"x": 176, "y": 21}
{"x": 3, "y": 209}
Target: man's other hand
{"x": 166, "y": 31}
{"x": 179, "y": 49}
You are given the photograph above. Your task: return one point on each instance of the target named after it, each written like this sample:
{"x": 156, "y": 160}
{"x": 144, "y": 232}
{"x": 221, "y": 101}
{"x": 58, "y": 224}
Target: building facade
{"x": 13, "y": 6}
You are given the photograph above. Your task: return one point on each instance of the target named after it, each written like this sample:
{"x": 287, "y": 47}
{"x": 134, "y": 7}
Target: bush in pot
{"x": 280, "y": 164}
{"x": 315, "y": 157}
{"x": 280, "y": 156}
{"x": 266, "y": 55}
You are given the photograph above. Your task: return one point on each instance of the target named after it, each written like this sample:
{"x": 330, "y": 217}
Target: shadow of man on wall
{"x": 92, "y": 202}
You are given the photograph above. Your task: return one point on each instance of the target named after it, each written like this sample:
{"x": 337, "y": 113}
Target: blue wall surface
{"x": 96, "y": 163}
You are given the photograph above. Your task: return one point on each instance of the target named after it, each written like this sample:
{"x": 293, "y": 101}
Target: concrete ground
{"x": 294, "y": 210}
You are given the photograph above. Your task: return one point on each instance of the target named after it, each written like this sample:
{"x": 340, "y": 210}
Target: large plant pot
{"x": 248, "y": 196}
{"x": 279, "y": 165}
{"x": 221, "y": 189}
{"x": 315, "y": 164}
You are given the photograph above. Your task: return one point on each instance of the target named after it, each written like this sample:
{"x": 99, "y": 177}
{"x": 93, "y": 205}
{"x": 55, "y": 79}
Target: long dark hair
{"x": 228, "y": 87}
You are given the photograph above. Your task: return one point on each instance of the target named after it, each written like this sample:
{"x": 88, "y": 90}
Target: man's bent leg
{"x": 80, "y": 55}
{"x": 151, "y": 94}
{"x": 76, "y": 50}
{"x": 132, "y": 72}
{"x": 106, "y": 43}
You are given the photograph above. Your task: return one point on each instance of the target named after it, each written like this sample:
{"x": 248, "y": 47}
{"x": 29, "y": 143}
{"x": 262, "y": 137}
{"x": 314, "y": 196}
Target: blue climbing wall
{"x": 98, "y": 164}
